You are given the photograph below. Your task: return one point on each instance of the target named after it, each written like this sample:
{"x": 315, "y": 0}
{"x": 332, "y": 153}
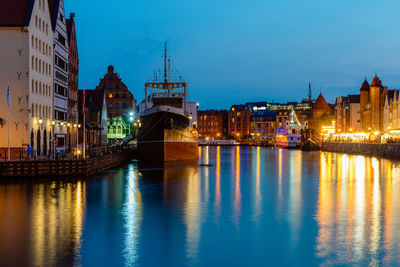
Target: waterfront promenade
{"x": 372, "y": 149}
{"x": 98, "y": 159}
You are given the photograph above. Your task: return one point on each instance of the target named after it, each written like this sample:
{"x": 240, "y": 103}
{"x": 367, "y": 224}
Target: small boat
{"x": 289, "y": 135}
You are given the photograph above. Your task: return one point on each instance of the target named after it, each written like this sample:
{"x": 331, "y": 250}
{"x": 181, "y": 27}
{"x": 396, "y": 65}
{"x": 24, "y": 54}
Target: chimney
{"x": 72, "y": 15}
{"x": 111, "y": 69}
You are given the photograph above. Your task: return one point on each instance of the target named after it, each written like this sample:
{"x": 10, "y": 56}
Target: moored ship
{"x": 167, "y": 124}
{"x": 289, "y": 135}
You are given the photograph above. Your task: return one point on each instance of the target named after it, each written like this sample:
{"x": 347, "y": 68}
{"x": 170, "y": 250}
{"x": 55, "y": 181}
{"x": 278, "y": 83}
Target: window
{"x": 110, "y": 77}
{"x": 116, "y": 105}
{"x": 110, "y": 96}
{"x": 110, "y": 86}
{"x": 104, "y": 87}
{"x": 124, "y": 106}
{"x": 110, "y": 105}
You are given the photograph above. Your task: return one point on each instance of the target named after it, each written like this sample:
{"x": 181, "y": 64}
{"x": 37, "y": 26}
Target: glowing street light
{"x": 40, "y": 120}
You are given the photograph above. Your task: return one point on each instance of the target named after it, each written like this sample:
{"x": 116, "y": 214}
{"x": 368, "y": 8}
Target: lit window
{"x": 110, "y": 105}
{"x": 110, "y": 96}
{"x": 117, "y": 105}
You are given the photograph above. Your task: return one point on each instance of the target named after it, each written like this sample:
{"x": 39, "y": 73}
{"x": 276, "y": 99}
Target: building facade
{"x": 120, "y": 101}
{"x": 239, "y": 121}
{"x": 347, "y": 114}
{"x": 73, "y": 70}
{"x": 96, "y": 120}
{"x": 212, "y": 124}
{"x": 391, "y": 111}
{"x": 372, "y": 101}
{"x": 263, "y": 123}
{"x": 60, "y": 72}
{"x": 26, "y": 65}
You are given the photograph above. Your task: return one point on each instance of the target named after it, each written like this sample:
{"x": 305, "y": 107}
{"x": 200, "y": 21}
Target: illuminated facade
{"x": 27, "y": 65}
{"x": 239, "y": 121}
{"x": 391, "y": 111}
{"x": 118, "y": 128}
{"x": 347, "y": 113}
{"x": 372, "y": 100}
{"x": 212, "y": 124}
{"x": 263, "y": 123}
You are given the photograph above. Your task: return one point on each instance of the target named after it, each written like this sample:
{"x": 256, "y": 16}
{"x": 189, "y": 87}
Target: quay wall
{"x": 382, "y": 150}
{"x": 40, "y": 168}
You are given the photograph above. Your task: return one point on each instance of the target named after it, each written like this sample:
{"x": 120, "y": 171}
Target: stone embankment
{"x": 371, "y": 149}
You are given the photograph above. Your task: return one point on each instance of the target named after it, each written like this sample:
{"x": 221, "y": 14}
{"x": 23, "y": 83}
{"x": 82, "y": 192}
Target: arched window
{"x": 110, "y": 77}
{"x": 110, "y": 86}
{"x": 40, "y": 65}
{"x": 33, "y": 110}
{"x": 40, "y": 46}
{"x": 33, "y": 42}
{"x": 116, "y": 105}
{"x": 33, "y": 85}
{"x": 33, "y": 62}
{"x": 36, "y": 42}
{"x": 117, "y": 86}
{"x": 110, "y": 95}
{"x": 110, "y": 105}
{"x": 36, "y": 87}
{"x": 40, "y": 88}
{"x": 40, "y": 24}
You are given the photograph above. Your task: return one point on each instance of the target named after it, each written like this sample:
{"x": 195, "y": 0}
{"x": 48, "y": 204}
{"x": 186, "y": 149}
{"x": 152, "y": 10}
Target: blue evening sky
{"x": 236, "y": 51}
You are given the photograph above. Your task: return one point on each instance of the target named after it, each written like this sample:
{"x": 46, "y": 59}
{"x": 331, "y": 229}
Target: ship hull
{"x": 166, "y": 136}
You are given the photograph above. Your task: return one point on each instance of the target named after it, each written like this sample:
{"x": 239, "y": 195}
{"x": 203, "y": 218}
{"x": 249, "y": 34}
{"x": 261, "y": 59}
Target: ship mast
{"x": 165, "y": 63}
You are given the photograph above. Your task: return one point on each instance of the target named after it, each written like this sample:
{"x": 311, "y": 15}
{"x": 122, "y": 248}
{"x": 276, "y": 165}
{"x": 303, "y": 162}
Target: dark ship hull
{"x": 166, "y": 136}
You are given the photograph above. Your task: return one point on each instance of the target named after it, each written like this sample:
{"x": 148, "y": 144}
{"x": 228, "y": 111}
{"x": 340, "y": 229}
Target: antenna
{"x": 309, "y": 91}
{"x": 165, "y": 63}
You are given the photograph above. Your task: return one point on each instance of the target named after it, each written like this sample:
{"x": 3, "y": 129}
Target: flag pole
{"x": 8, "y": 110}
{"x": 84, "y": 122}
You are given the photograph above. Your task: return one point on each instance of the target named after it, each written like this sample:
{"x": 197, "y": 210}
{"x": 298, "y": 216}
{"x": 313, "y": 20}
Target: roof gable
{"x": 16, "y": 12}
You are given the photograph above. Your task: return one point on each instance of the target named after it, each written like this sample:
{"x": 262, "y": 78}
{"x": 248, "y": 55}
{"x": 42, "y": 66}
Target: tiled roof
{"x": 321, "y": 103}
{"x": 15, "y": 12}
{"x": 365, "y": 86}
{"x": 376, "y": 82}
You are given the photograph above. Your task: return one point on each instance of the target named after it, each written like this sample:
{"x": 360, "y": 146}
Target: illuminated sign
{"x": 259, "y": 108}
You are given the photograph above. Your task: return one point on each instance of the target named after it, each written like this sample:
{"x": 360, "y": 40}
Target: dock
{"x": 85, "y": 167}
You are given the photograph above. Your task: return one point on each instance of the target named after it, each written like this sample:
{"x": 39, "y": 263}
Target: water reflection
{"x": 46, "y": 222}
{"x": 353, "y": 221}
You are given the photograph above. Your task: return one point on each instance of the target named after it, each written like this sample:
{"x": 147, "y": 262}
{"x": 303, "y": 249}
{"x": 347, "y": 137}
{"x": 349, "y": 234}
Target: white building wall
{"x": 26, "y": 62}
{"x": 355, "y": 117}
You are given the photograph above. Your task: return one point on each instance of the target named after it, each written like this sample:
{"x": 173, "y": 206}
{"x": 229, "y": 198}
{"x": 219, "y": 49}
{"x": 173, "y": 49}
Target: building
{"x": 120, "y": 101}
{"x": 347, "y": 114}
{"x": 95, "y": 117}
{"x": 212, "y": 124}
{"x": 27, "y": 66}
{"x": 391, "y": 112}
{"x": 282, "y": 115}
{"x": 372, "y": 101}
{"x": 73, "y": 72}
{"x": 263, "y": 123}
{"x": 60, "y": 71}
{"x": 323, "y": 114}
{"x": 239, "y": 122}
{"x": 118, "y": 128}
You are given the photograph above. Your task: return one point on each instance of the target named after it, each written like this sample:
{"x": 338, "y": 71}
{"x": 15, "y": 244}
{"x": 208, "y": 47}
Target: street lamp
{"x": 40, "y": 121}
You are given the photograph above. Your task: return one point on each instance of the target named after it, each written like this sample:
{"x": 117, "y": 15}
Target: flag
{"x": 8, "y": 94}
{"x": 83, "y": 101}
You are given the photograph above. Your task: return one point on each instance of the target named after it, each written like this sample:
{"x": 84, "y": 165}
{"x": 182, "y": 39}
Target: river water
{"x": 242, "y": 206}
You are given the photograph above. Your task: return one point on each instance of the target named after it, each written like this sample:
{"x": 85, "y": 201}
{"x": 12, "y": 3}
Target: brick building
{"x": 239, "y": 121}
{"x": 212, "y": 124}
{"x": 372, "y": 101}
{"x": 73, "y": 70}
{"x": 120, "y": 101}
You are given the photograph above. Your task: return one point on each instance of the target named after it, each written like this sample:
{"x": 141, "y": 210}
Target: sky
{"x": 235, "y": 51}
